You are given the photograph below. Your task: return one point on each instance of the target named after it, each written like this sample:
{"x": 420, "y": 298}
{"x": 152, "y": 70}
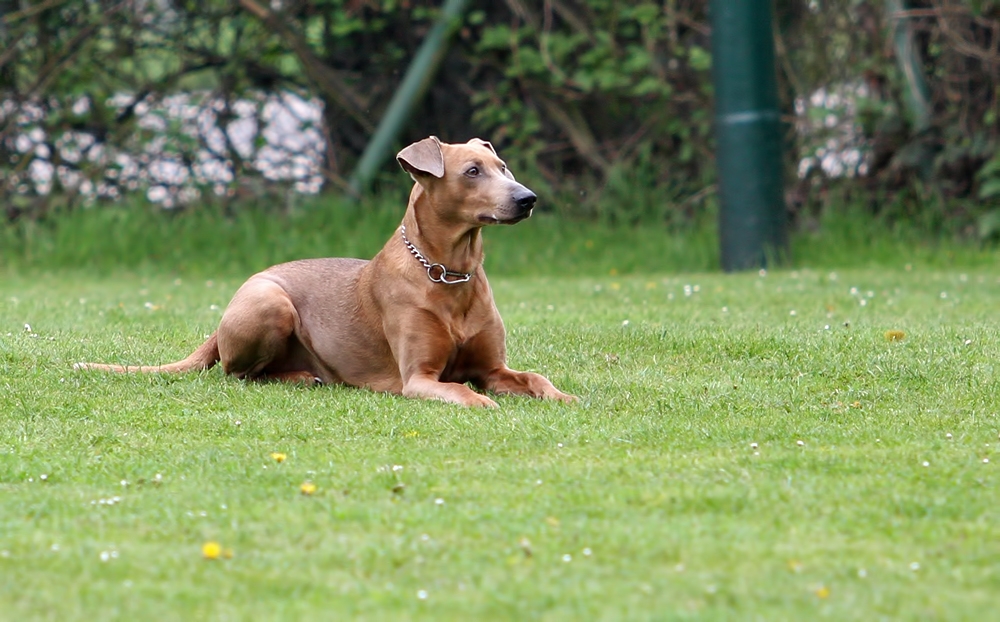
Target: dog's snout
{"x": 525, "y": 199}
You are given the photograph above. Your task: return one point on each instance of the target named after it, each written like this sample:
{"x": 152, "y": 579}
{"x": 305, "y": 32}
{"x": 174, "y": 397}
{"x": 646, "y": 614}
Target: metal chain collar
{"x": 435, "y": 272}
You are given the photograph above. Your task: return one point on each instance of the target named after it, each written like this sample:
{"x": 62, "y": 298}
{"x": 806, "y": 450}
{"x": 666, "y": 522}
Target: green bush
{"x": 586, "y": 98}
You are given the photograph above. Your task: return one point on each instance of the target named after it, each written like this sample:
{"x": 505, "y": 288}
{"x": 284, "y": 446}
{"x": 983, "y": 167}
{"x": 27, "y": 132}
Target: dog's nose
{"x": 525, "y": 199}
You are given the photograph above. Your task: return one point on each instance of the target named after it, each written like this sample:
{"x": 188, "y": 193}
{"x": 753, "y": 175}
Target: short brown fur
{"x": 384, "y": 324}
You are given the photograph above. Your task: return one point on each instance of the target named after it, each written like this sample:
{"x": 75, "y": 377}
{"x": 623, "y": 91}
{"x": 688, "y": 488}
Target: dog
{"x": 416, "y": 320}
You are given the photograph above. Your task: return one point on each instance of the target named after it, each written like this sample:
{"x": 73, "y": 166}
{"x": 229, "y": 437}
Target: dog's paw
{"x": 470, "y": 400}
{"x": 481, "y": 401}
{"x": 566, "y": 398}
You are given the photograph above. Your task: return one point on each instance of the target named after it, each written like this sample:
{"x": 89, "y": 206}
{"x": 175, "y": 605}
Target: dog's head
{"x": 467, "y": 182}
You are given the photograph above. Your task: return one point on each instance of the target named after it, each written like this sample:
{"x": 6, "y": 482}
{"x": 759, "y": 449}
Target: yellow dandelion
{"x": 823, "y": 592}
{"x": 412, "y": 434}
{"x": 278, "y": 456}
{"x": 894, "y": 335}
{"x": 211, "y": 550}
{"x": 616, "y": 286}
{"x": 307, "y": 488}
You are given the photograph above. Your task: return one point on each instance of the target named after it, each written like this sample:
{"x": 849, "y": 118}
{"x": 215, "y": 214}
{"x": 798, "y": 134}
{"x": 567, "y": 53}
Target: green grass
{"x": 653, "y": 472}
{"x": 208, "y": 242}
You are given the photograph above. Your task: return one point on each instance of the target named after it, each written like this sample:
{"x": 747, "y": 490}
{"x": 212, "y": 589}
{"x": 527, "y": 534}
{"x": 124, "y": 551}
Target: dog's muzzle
{"x": 524, "y": 200}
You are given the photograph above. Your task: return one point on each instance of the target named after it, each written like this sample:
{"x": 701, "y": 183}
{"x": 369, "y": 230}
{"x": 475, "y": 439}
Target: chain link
{"x": 435, "y": 272}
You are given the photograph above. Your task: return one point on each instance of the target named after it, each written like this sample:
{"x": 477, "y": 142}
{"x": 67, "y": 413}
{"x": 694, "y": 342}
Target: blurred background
{"x": 604, "y": 107}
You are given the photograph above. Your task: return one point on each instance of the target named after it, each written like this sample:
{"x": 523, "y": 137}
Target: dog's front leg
{"x": 429, "y": 387}
{"x": 506, "y": 380}
{"x": 422, "y": 349}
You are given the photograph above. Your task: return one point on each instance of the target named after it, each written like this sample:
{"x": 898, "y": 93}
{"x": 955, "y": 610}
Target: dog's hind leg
{"x": 306, "y": 378}
{"x": 257, "y": 330}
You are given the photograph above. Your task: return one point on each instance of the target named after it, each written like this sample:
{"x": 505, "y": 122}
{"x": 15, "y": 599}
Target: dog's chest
{"x": 465, "y": 323}
{"x": 475, "y": 347}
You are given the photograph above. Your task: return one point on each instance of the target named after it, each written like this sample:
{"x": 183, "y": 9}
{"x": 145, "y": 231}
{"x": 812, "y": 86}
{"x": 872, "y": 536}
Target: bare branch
{"x": 10, "y": 18}
{"x": 11, "y": 50}
{"x": 577, "y": 131}
{"x": 325, "y": 78}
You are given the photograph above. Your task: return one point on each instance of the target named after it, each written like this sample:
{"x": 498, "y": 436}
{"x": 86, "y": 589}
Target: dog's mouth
{"x": 492, "y": 219}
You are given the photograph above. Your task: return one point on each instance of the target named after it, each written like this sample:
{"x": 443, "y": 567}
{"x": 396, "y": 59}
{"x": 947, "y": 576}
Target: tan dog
{"x": 417, "y": 320}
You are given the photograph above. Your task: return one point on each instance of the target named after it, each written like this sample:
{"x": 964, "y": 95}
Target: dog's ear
{"x": 423, "y": 158}
{"x": 484, "y": 143}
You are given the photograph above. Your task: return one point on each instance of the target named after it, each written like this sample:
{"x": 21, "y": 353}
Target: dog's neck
{"x": 457, "y": 246}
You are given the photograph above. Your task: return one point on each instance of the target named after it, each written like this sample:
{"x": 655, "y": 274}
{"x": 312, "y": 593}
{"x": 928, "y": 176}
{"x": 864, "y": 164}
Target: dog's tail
{"x": 206, "y": 356}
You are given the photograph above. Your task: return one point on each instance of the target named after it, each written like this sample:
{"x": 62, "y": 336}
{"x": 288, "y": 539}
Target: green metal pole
{"x": 752, "y": 221}
{"x": 413, "y": 87}
{"x": 918, "y": 99}
{"x": 908, "y": 59}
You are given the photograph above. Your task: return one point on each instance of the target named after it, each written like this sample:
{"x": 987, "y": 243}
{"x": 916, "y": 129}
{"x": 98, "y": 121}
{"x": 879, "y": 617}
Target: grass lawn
{"x": 746, "y": 447}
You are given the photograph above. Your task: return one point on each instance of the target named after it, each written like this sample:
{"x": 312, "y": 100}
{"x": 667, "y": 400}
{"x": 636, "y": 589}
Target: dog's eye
{"x": 473, "y": 171}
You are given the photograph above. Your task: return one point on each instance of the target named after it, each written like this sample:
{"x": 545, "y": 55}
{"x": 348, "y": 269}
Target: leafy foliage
{"x": 931, "y": 164}
{"x": 585, "y": 97}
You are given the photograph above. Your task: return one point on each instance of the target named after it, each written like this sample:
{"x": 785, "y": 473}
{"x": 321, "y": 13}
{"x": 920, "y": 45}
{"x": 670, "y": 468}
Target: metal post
{"x": 918, "y": 99}
{"x": 752, "y": 221}
{"x": 415, "y": 83}
{"x": 908, "y": 60}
